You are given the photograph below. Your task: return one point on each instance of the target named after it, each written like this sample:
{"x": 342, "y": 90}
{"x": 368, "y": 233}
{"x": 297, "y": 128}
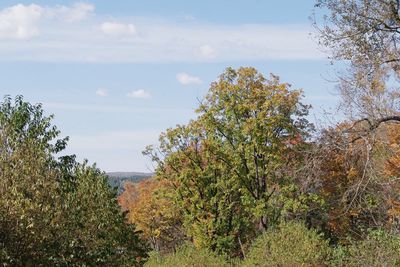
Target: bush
{"x": 291, "y": 244}
{"x": 187, "y": 256}
{"x": 379, "y": 248}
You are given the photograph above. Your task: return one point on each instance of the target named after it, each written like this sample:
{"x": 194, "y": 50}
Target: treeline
{"x": 117, "y": 179}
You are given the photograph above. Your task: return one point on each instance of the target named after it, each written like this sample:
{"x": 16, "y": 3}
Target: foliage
{"x": 187, "y": 256}
{"x": 231, "y": 166}
{"x": 20, "y": 121}
{"x": 348, "y": 182}
{"x": 54, "y": 212}
{"x": 151, "y": 208}
{"x": 359, "y": 174}
{"x": 96, "y": 229}
{"x": 28, "y": 205}
{"x": 209, "y": 202}
{"x": 357, "y": 177}
{"x": 290, "y": 244}
{"x": 378, "y": 249}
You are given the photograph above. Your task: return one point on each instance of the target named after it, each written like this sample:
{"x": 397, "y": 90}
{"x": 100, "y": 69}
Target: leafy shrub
{"x": 379, "y": 248}
{"x": 291, "y": 244}
{"x": 187, "y": 256}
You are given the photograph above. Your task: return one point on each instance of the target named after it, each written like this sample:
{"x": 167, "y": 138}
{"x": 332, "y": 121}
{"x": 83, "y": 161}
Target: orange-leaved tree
{"x": 359, "y": 177}
{"x": 151, "y": 208}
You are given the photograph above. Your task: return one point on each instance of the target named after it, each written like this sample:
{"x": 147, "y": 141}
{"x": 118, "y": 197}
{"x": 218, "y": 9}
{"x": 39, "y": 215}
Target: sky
{"x": 117, "y": 73}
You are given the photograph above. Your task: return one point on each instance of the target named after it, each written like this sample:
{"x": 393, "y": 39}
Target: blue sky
{"x": 117, "y": 73}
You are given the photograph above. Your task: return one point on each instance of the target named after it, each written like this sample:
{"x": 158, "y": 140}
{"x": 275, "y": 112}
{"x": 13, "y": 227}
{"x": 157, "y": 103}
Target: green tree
{"x": 54, "y": 212}
{"x": 232, "y": 166}
{"x": 96, "y": 230}
{"x": 209, "y": 200}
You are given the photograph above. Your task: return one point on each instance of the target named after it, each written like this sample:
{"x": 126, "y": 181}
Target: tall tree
{"x": 231, "y": 166}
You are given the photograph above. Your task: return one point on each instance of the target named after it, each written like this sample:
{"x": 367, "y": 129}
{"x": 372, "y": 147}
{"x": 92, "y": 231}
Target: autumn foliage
{"x": 150, "y": 206}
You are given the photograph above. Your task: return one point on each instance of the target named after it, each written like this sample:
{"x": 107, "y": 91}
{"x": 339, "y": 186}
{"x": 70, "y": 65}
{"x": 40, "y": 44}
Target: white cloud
{"x": 54, "y": 38}
{"x": 21, "y": 22}
{"x": 118, "y": 29}
{"x": 139, "y": 94}
{"x": 207, "y": 52}
{"x": 102, "y": 92}
{"x": 187, "y": 79}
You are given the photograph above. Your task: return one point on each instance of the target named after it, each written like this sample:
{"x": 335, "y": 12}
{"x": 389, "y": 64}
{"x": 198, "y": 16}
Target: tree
{"x": 55, "y": 212}
{"x": 349, "y": 182}
{"x": 96, "y": 230}
{"x": 27, "y": 183}
{"x": 357, "y": 173}
{"x": 151, "y": 208}
{"x": 231, "y": 166}
{"x": 366, "y": 34}
{"x": 362, "y": 31}
{"x": 209, "y": 201}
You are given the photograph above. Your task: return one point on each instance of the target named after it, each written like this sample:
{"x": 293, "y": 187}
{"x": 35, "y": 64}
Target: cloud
{"x": 187, "y": 79}
{"x": 102, "y": 92}
{"x": 118, "y": 29}
{"x": 207, "y": 52}
{"x": 73, "y": 107}
{"x": 58, "y": 34}
{"x": 21, "y": 22}
{"x": 139, "y": 94}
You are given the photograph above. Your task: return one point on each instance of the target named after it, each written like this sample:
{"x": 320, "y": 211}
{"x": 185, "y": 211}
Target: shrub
{"x": 291, "y": 244}
{"x": 187, "y": 256}
{"x": 379, "y": 248}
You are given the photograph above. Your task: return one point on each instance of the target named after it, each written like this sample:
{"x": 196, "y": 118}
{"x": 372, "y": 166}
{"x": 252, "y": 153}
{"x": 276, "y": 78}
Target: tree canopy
{"x": 231, "y": 166}
{"x": 55, "y": 212}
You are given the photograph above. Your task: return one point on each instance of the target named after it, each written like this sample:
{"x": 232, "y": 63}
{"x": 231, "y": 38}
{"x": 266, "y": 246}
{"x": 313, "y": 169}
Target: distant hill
{"x": 117, "y": 179}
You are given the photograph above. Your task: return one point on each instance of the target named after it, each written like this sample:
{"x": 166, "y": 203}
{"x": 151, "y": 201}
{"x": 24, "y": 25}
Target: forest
{"x": 251, "y": 181}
